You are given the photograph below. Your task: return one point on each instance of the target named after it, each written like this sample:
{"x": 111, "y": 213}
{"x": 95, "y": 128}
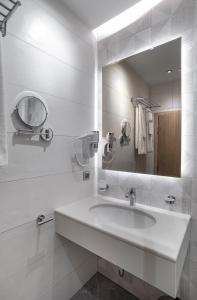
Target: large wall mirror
{"x": 141, "y": 117}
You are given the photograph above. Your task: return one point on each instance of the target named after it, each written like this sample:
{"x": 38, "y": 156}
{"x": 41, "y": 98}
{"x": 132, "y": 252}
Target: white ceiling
{"x": 152, "y": 65}
{"x": 96, "y": 12}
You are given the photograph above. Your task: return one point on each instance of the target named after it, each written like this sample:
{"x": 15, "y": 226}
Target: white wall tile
{"x": 46, "y": 50}
{"x": 64, "y": 115}
{"x": 38, "y": 28}
{"x": 66, "y": 288}
{"x": 61, "y": 13}
{"x": 22, "y": 201}
{"x": 39, "y": 261}
{"x": 44, "y": 72}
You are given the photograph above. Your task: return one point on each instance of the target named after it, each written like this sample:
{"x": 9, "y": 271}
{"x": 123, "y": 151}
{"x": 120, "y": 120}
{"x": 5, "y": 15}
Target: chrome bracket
{"x": 46, "y": 134}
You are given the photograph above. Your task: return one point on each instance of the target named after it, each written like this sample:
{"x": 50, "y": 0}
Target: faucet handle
{"x": 129, "y": 192}
{"x": 132, "y": 191}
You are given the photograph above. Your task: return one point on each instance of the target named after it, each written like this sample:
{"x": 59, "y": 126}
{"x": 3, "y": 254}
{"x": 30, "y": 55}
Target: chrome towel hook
{"x": 42, "y": 219}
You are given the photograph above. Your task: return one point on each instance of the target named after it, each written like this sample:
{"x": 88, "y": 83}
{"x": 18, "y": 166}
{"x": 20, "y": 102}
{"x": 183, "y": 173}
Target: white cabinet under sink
{"x": 148, "y": 242}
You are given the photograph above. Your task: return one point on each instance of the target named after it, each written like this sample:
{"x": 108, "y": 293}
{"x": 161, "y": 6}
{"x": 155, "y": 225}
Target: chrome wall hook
{"x": 42, "y": 219}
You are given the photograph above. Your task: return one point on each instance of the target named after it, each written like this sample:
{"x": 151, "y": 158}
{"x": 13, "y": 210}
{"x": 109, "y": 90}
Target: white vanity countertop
{"x": 164, "y": 238}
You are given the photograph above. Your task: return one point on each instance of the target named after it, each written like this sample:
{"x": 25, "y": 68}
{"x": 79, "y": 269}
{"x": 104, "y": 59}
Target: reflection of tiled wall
{"x": 48, "y": 51}
{"x": 169, "y": 20}
{"x": 167, "y": 95}
{"x": 120, "y": 83}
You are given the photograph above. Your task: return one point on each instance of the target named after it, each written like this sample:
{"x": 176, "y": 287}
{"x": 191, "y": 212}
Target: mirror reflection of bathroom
{"x": 141, "y": 98}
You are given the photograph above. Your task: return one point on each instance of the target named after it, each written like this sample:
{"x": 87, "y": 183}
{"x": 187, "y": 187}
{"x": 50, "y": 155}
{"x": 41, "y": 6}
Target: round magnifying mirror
{"x": 32, "y": 111}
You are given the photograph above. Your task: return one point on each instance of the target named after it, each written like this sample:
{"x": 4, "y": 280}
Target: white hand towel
{"x": 136, "y": 127}
{"x": 3, "y": 129}
{"x": 141, "y": 130}
{"x": 149, "y": 116}
{"x": 150, "y": 128}
{"x": 150, "y": 131}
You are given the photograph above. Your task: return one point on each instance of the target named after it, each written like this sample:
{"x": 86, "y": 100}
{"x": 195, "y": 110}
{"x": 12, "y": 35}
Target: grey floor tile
{"x": 101, "y": 288}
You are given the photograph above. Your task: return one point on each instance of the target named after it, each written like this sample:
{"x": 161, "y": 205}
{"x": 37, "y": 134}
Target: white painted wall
{"x": 169, "y": 20}
{"x": 48, "y": 51}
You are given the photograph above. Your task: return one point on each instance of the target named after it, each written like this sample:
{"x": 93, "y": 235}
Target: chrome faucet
{"x": 131, "y": 194}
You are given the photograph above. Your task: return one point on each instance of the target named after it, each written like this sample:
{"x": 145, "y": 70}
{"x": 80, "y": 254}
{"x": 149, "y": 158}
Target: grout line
{"x": 114, "y": 89}
{"x": 18, "y": 226}
{"x": 114, "y": 115}
{"x": 83, "y": 260}
{"x": 50, "y": 55}
{"x": 83, "y": 263}
{"x": 44, "y": 175}
{"x": 50, "y": 95}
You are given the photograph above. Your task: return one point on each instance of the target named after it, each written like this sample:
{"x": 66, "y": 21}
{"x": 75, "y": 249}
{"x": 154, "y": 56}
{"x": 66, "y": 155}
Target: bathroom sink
{"x": 148, "y": 242}
{"x": 116, "y": 215}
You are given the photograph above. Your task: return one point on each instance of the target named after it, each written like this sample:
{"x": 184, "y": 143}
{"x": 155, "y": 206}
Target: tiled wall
{"x": 169, "y": 20}
{"x": 48, "y": 51}
{"x": 119, "y": 82}
{"x": 167, "y": 95}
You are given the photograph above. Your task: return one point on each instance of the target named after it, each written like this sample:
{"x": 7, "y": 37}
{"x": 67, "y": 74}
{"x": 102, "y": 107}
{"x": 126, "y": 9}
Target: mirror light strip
{"x": 124, "y": 19}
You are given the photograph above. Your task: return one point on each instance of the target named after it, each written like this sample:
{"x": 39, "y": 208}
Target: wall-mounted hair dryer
{"x": 85, "y": 147}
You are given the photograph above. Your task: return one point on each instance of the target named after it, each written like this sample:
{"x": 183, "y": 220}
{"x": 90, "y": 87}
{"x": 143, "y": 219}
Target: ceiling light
{"x": 169, "y": 71}
{"x": 124, "y": 19}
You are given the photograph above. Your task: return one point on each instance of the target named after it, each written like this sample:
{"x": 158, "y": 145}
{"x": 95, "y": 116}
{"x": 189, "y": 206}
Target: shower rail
{"x": 144, "y": 102}
{"x": 6, "y": 12}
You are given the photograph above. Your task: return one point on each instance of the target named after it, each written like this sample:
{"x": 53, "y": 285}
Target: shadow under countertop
{"x": 101, "y": 288}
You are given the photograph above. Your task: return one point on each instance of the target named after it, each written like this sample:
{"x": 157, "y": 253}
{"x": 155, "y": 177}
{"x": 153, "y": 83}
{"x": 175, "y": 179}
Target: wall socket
{"x": 86, "y": 175}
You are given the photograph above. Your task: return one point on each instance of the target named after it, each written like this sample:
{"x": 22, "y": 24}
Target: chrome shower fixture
{"x": 7, "y": 8}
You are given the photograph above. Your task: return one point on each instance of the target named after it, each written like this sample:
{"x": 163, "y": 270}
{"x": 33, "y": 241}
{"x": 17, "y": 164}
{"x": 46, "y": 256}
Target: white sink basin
{"x": 148, "y": 242}
{"x": 115, "y": 215}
